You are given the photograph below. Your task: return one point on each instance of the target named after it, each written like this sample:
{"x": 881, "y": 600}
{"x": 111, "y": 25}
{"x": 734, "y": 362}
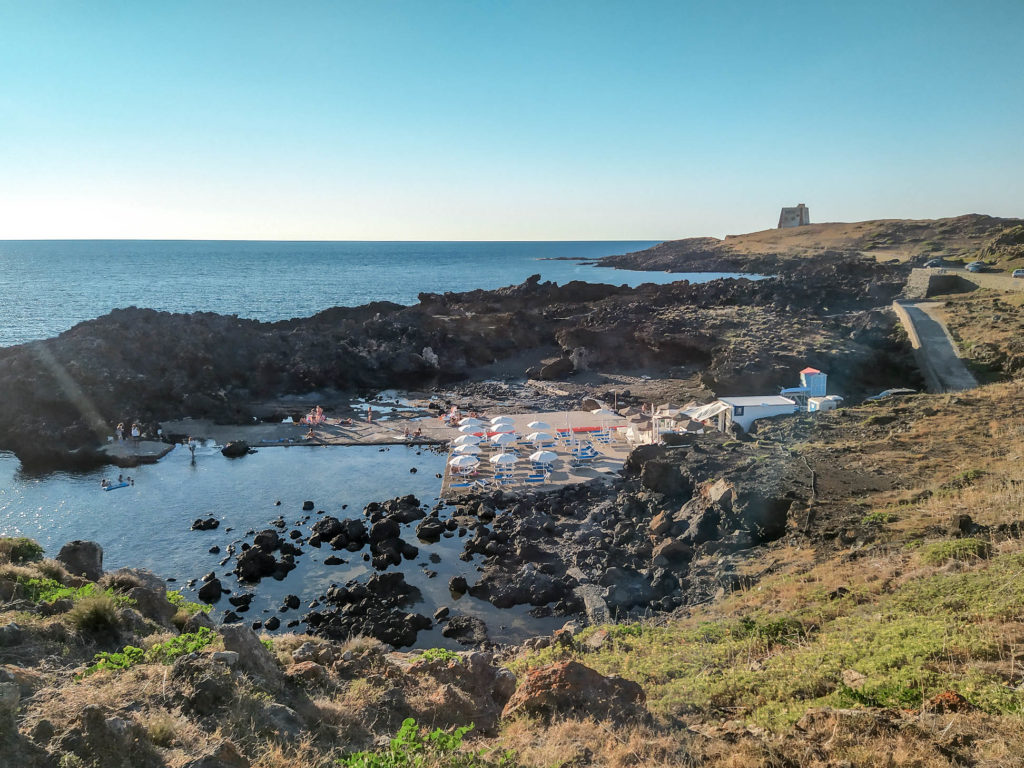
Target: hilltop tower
{"x": 795, "y": 217}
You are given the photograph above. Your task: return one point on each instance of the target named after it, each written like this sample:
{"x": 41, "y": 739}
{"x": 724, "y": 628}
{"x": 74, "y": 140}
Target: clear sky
{"x": 514, "y": 120}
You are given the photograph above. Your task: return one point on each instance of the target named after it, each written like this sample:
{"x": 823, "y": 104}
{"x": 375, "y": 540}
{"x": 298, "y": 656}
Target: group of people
{"x": 121, "y": 480}
{"x": 136, "y": 432}
{"x": 453, "y": 416}
{"x": 314, "y": 417}
{"x": 417, "y": 433}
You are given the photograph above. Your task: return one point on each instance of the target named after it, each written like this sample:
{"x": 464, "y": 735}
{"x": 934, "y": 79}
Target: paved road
{"x": 934, "y": 350}
{"x": 998, "y": 281}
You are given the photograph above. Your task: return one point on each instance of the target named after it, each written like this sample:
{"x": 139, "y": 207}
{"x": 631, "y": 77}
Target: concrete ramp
{"x": 934, "y": 349}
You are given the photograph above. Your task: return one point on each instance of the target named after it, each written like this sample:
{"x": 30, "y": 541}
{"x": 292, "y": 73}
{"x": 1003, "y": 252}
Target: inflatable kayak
{"x": 115, "y": 485}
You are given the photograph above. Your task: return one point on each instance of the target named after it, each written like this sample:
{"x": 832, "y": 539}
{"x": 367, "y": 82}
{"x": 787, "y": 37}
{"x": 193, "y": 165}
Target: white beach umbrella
{"x": 543, "y": 457}
{"x": 603, "y": 413}
{"x": 467, "y": 450}
{"x": 539, "y": 426}
{"x": 539, "y": 437}
{"x": 503, "y": 459}
{"x": 503, "y": 438}
{"x": 469, "y": 421}
{"x": 464, "y": 462}
{"x": 468, "y": 440}
{"x": 502, "y": 420}
{"x": 468, "y": 429}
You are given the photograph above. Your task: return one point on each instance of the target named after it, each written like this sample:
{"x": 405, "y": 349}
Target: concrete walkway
{"x": 934, "y": 349}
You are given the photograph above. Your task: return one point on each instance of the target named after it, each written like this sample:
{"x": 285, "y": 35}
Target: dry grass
{"x": 590, "y": 742}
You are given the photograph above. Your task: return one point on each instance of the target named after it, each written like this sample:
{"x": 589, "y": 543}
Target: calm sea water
{"x": 148, "y": 525}
{"x": 48, "y": 286}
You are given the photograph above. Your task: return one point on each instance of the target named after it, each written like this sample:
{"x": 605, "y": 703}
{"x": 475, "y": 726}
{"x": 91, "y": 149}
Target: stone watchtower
{"x": 795, "y": 217}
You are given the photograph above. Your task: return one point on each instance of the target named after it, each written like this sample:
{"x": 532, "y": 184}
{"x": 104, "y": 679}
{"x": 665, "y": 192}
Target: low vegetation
{"x": 163, "y": 653}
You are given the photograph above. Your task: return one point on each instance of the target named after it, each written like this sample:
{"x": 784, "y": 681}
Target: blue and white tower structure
{"x": 814, "y": 381}
{"x": 812, "y": 384}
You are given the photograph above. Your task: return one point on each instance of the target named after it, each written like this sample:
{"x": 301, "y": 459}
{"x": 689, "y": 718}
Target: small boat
{"x": 112, "y": 486}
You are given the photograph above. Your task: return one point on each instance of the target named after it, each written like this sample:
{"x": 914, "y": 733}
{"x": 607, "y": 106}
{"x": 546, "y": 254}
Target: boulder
{"x": 384, "y": 529}
{"x": 150, "y": 594}
{"x": 82, "y": 558}
{"x": 253, "y": 657}
{"x": 430, "y": 530}
{"x": 253, "y": 564}
{"x": 665, "y": 477}
{"x": 267, "y": 540}
{"x": 568, "y": 688}
{"x": 471, "y": 689}
{"x": 308, "y": 673}
{"x": 11, "y": 634}
{"x": 625, "y": 589}
{"x": 235, "y": 449}
{"x": 557, "y": 369}
{"x": 671, "y": 552}
{"x": 211, "y": 591}
{"x": 224, "y": 755}
{"x": 467, "y": 630}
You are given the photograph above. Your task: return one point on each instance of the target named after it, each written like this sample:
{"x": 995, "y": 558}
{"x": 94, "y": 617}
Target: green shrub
{"x": 190, "y": 642}
{"x": 127, "y": 657}
{"x": 878, "y": 518}
{"x": 411, "y": 749}
{"x": 44, "y": 590}
{"x": 164, "y": 653}
{"x": 440, "y": 654}
{"x": 179, "y": 601}
{"x": 964, "y": 479}
{"x": 942, "y": 552}
{"x": 19, "y": 550}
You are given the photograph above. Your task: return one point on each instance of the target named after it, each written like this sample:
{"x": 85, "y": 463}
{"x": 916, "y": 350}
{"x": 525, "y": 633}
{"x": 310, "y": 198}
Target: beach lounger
{"x": 535, "y": 480}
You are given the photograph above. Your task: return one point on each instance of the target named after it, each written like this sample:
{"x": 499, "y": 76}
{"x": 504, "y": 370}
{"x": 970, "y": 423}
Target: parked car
{"x": 897, "y": 392}
{"x": 1018, "y": 273}
{"x": 977, "y": 266}
{"x": 932, "y": 263}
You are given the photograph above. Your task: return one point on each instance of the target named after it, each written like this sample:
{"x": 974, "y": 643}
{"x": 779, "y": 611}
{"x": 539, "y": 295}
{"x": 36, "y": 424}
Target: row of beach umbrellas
{"x": 467, "y": 445}
{"x": 466, "y": 460}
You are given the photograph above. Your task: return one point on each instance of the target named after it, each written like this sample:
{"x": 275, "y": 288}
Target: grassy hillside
{"x": 905, "y": 240}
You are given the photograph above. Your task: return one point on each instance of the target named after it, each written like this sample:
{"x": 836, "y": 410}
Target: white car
{"x": 1018, "y": 273}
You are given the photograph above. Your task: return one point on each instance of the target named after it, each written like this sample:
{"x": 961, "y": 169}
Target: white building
{"x": 743, "y": 411}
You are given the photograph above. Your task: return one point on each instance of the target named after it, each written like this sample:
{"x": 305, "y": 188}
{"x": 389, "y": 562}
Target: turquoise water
{"x": 47, "y": 286}
{"x": 148, "y": 525}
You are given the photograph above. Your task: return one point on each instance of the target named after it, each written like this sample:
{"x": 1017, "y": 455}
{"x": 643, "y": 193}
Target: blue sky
{"x": 502, "y": 120}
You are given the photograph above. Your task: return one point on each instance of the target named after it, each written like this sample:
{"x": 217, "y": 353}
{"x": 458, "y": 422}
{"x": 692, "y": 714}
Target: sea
{"x": 46, "y": 287}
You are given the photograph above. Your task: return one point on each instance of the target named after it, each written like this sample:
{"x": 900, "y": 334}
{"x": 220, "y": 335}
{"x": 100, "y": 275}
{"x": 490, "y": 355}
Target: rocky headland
{"x": 63, "y": 396}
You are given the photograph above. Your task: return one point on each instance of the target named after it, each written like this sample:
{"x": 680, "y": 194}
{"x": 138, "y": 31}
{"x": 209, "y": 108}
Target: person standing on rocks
{"x": 369, "y": 414}
{"x": 136, "y": 434}
{"x": 120, "y": 432}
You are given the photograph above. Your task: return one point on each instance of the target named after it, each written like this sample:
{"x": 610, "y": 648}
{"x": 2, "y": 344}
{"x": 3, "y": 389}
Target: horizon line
{"x": 292, "y": 240}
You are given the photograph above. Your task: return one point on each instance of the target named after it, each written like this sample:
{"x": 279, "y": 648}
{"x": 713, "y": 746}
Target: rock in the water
{"x": 82, "y": 558}
{"x": 211, "y": 591}
{"x": 468, "y": 630}
{"x": 235, "y": 449}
